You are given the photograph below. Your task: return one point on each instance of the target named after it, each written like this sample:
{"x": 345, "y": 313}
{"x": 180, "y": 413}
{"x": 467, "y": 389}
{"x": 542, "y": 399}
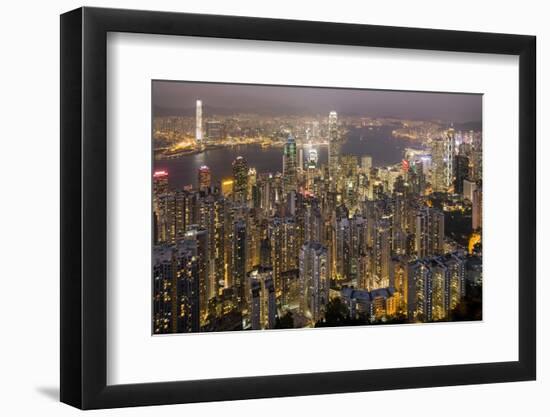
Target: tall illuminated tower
{"x": 204, "y": 177}
{"x": 449, "y": 152}
{"x": 289, "y": 165}
{"x": 443, "y": 160}
{"x": 240, "y": 180}
{"x": 160, "y": 188}
{"x": 438, "y": 165}
{"x": 333, "y": 146}
{"x": 198, "y": 121}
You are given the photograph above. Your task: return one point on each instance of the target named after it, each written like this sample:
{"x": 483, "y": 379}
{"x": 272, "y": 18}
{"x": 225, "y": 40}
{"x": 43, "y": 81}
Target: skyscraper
{"x": 313, "y": 158}
{"x": 435, "y": 287}
{"x": 342, "y": 249}
{"x": 477, "y": 157}
{"x": 160, "y": 182}
{"x": 284, "y": 248}
{"x": 438, "y": 165}
{"x": 477, "y": 205}
{"x": 215, "y": 130}
{"x": 198, "y": 121}
{"x": 334, "y": 146}
{"x": 251, "y": 185}
{"x": 240, "y": 180}
{"x": 419, "y": 292}
{"x": 381, "y": 255}
{"x": 314, "y": 279}
{"x": 468, "y": 188}
{"x": 449, "y": 140}
{"x": 166, "y": 218}
{"x": 443, "y": 159}
{"x": 227, "y": 187}
{"x": 265, "y": 253}
{"x": 175, "y": 290}
{"x": 204, "y": 177}
{"x": 366, "y": 163}
{"x": 263, "y": 307}
{"x": 461, "y": 172}
{"x": 429, "y": 232}
{"x": 164, "y": 284}
{"x": 196, "y": 241}
{"x": 187, "y": 293}
{"x": 255, "y": 304}
{"x": 239, "y": 260}
{"x": 289, "y": 165}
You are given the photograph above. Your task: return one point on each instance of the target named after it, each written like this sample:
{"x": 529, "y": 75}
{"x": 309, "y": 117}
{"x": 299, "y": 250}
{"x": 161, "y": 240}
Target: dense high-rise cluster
{"x": 316, "y": 244}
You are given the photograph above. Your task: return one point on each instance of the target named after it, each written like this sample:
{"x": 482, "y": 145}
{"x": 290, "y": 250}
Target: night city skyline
{"x": 298, "y": 207}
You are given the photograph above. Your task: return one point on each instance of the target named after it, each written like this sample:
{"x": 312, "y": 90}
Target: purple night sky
{"x": 174, "y": 97}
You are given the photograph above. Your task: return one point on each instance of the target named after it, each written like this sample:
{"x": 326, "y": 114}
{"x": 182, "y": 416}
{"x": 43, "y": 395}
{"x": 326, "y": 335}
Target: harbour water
{"x": 377, "y": 142}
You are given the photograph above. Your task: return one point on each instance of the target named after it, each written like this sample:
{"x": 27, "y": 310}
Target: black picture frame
{"x": 84, "y": 207}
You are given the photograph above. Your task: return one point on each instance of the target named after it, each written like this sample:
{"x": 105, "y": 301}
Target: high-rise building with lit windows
{"x": 366, "y": 163}
{"x": 342, "y": 248}
{"x": 398, "y": 281}
{"x": 160, "y": 182}
{"x": 227, "y": 187}
{"x": 196, "y": 242}
{"x": 468, "y": 190}
{"x": 314, "y": 279}
{"x": 198, "y": 121}
{"x": 166, "y": 218}
{"x": 205, "y": 177}
{"x": 290, "y": 165}
{"x": 262, "y": 305}
{"x": 240, "y": 180}
{"x": 334, "y": 147}
{"x": 429, "y": 232}
{"x": 477, "y": 208}
{"x": 164, "y": 284}
{"x": 419, "y": 300}
{"x": 175, "y": 290}
{"x": 215, "y": 130}
{"x": 251, "y": 185}
{"x": 381, "y": 255}
{"x": 462, "y": 167}
{"x": 313, "y": 158}
{"x": 443, "y": 161}
{"x": 435, "y": 287}
{"x": 255, "y": 304}
{"x": 239, "y": 260}
{"x": 449, "y": 140}
{"x": 477, "y": 157}
{"x": 187, "y": 294}
{"x": 375, "y": 304}
{"x": 283, "y": 233}
{"x": 455, "y": 290}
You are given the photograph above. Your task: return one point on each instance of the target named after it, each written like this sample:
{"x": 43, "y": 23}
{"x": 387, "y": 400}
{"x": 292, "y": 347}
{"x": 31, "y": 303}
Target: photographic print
{"x": 286, "y": 207}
